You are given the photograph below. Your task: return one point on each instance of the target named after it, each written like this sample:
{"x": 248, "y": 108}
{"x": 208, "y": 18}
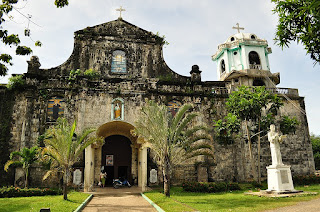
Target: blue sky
{"x": 194, "y": 29}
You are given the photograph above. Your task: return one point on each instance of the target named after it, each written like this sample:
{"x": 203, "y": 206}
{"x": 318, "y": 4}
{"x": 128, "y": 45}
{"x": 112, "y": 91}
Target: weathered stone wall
{"x": 6, "y": 104}
{"x": 148, "y": 77}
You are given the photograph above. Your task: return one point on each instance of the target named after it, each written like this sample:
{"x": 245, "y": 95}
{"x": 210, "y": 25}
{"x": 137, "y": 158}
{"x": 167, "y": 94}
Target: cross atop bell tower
{"x": 120, "y": 10}
{"x": 238, "y": 28}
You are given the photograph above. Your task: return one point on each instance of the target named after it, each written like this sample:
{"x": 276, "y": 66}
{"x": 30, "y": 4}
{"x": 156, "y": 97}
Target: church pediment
{"x": 120, "y": 29}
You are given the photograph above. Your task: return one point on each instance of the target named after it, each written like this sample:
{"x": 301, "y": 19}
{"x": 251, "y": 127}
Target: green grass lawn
{"x": 231, "y": 201}
{"x": 55, "y": 203}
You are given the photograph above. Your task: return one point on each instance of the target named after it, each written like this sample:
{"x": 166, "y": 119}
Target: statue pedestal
{"x": 280, "y": 179}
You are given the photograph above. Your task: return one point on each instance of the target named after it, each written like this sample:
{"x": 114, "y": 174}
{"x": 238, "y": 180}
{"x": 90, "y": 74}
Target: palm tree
{"x": 172, "y": 139}
{"x": 64, "y": 147}
{"x": 26, "y": 158}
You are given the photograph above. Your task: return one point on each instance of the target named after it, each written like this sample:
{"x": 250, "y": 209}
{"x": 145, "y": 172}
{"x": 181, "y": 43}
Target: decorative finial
{"x": 120, "y": 10}
{"x": 238, "y": 28}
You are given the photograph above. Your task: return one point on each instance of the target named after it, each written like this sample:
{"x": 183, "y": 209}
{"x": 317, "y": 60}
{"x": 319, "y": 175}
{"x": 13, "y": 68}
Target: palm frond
{"x": 15, "y": 153}
{"x": 195, "y": 129}
{"x": 12, "y": 162}
{"x": 180, "y": 114}
{"x": 183, "y": 124}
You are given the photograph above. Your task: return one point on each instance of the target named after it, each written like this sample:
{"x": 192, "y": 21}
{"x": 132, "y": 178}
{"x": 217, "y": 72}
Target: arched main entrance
{"x": 116, "y": 158}
{"x": 127, "y": 156}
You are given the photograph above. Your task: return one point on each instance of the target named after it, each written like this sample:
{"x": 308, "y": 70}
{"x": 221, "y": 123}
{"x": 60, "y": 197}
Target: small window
{"x": 232, "y": 38}
{"x": 222, "y": 66}
{"x": 253, "y": 37}
{"x": 236, "y": 80}
{"x": 119, "y": 62}
{"x": 235, "y": 53}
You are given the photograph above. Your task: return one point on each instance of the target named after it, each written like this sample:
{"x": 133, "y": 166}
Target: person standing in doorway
{"x": 103, "y": 177}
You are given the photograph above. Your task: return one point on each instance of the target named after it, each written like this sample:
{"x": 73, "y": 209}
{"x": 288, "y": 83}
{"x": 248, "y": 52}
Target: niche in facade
{"x": 117, "y": 109}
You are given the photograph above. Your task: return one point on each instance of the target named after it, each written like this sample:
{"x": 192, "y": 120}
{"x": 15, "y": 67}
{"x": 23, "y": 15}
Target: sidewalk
{"x": 122, "y": 199}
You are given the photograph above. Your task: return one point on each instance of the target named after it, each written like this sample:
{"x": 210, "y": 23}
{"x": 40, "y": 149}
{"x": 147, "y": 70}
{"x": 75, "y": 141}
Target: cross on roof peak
{"x": 120, "y": 10}
{"x": 238, "y": 28}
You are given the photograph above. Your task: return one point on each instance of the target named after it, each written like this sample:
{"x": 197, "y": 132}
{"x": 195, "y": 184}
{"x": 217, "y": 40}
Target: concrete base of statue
{"x": 280, "y": 179}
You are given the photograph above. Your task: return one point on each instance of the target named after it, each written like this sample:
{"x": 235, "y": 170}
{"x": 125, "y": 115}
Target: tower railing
{"x": 255, "y": 66}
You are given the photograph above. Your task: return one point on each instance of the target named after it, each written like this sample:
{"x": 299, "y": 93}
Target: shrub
{"x": 27, "y": 192}
{"x": 255, "y": 184}
{"x": 91, "y": 74}
{"x": 16, "y": 82}
{"x": 306, "y": 180}
{"x": 74, "y": 75}
{"x": 211, "y": 187}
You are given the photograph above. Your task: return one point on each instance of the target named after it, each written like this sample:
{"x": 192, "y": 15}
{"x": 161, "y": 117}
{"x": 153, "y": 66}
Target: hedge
{"x": 27, "y": 192}
{"x": 306, "y": 179}
{"x": 211, "y": 187}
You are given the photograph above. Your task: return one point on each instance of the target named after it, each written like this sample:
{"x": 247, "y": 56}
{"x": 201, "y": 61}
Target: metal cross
{"x": 120, "y": 10}
{"x": 238, "y": 28}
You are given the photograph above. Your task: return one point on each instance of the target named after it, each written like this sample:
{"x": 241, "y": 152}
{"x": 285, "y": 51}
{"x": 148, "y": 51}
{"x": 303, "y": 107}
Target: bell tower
{"x": 243, "y": 60}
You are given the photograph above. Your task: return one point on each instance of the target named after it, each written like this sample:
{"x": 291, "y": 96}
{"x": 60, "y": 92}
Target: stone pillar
{"x": 97, "y": 163}
{"x": 89, "y": 168}
{"x": 134, "y": 163}
{"x": 143, "y": 153}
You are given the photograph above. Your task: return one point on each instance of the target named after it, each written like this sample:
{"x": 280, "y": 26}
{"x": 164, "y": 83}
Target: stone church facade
{"x": 131, "y": 69}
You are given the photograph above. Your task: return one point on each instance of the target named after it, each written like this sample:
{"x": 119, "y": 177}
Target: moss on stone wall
{"x": 6, "y": 105}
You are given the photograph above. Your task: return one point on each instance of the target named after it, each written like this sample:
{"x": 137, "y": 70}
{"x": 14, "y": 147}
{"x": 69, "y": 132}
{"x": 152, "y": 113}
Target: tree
{"x": 172, "y": 139}
{"x": 226, "y": 132}
{"x": 299, "y": 20}
{"x": 13, "y": 39}
{"x": 63, "y": 146}
{"x": 250, "y": 104}
{"x": 315, "y": 140}
{"x": 26, "y": 158}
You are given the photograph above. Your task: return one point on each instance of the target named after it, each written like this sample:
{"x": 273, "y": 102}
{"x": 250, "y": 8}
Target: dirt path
{"x": 307, "y": 206}
{"x": 122, "y": 199}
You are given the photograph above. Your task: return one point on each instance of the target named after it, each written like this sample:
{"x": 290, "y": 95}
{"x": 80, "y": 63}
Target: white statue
{"x": 275, "y": 139}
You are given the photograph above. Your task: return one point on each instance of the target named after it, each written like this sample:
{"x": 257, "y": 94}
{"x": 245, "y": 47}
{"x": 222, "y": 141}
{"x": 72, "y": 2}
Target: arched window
{"x": 119, "y": 62}
{"x": 222, "y": 66}
{"x": 55, "y": 108}
{"x": 254, "y": 60}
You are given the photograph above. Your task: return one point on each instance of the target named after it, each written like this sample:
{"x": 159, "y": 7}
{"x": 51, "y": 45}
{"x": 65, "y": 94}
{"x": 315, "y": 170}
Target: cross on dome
{"x": 238, "y": 28}
{"x": 120, "y": 10}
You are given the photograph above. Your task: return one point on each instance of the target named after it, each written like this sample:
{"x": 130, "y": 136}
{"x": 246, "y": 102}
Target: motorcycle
{"x": 119, "y": 182}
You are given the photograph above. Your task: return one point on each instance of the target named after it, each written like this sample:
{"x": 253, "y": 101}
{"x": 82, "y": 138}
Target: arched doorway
{"x": 118, "y": 142}
{"x": 116, "y": 156}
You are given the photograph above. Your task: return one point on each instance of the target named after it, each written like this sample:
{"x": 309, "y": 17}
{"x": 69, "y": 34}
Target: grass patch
{"x": 55, "y": 203}
{"x": 224, "y": 201}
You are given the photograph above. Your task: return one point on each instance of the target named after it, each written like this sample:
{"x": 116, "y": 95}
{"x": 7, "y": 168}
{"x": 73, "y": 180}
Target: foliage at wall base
{"x": 27, "y": 192}
{"x": 211, "y": 187}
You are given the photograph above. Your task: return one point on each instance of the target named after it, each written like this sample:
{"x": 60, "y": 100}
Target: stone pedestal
{"x": 280, "y": 179}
